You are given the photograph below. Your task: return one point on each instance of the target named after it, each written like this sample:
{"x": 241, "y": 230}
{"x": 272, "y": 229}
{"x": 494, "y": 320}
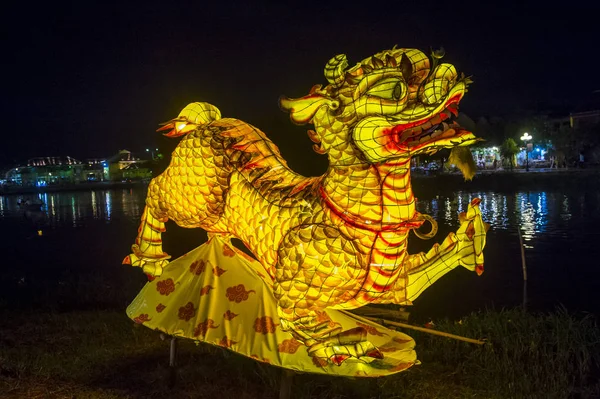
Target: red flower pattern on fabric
{"x": 198, "y": 267}
{"x": 400, "y": 340}
{"x": 226, "y": 342}
{"x": 228, "y": 251}
{"x": 264, "y": 359}
{"x": 205, "y": 290}
{"x": 289, "y": 346}
{"x": 229, "y": 315}
{"x": 187, "y": 312}
{"x": 141, "y": 318}
{"x": 387, "y": 349}
{"x": 265, "y": 325}
{"x": 202, "y": 328}
{"x": 160, "y": 307}
{"x": 238, "y": 293}
{"x": 218, "y": 271}
{"x": 370, "y": 329}
{"x": 165, "y": 287}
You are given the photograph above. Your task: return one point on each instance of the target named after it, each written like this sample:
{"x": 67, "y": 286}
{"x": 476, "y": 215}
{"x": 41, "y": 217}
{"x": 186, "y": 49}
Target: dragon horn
{"x": 335, "y": 70}
{"x": 437, "y": 55}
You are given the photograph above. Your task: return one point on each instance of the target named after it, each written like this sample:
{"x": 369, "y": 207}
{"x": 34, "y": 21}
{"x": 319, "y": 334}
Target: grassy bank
{"x": 102, "y": 354}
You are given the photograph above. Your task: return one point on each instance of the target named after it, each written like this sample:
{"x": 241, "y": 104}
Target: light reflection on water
{"x": 559, "y": 229}
{"x": 562, "y": 246}
{"x": 75, "y": 208}
{"x": 535, "y": 213}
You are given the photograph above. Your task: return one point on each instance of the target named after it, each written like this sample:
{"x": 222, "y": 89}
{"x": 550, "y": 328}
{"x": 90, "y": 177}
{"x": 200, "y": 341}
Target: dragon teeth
{"x": 406, "y": 134}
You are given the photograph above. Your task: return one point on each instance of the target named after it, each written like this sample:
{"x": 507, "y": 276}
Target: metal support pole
{"x": 173, "y": 363}
{"x": 524, "y": 265}
{"x": 287, "y": 377}
{"x": 426, "y": 330}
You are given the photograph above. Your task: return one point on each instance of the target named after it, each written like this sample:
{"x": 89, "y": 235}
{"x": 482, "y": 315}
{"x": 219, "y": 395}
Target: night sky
{"x": 86, "y": 81}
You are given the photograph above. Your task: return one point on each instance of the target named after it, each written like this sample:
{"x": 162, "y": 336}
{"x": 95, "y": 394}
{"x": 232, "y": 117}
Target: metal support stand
{"x": 287, "y": 377}
{"x": 524, "y": 265}
{"x": 173, "y": 363}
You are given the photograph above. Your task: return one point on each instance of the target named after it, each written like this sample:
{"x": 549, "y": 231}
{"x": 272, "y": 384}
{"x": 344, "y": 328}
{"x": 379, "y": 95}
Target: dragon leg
{"x": 312, "y": 275}
{"x": 463, "y": 248}
{"x": 147, "y": 251}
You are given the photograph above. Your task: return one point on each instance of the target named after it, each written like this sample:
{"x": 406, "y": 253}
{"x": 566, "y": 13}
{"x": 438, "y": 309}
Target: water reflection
{"x": 108, "y": 200}
{"x": 534, "y": 213}
{"x": 559, "y": 229}
{"x": 75, "y": 208}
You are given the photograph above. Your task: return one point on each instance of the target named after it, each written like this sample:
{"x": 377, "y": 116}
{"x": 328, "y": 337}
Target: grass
{"x": 551, "y": 355}
{"x": 102, "y": 354}
{"x": 65, "y": 335}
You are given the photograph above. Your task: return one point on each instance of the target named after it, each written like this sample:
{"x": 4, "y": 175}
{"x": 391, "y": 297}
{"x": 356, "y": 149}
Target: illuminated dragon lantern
{"x": 338, "y": 241}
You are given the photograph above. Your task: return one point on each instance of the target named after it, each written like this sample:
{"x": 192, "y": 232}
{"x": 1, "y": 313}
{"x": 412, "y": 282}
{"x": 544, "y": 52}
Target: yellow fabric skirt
{"x": 219, "y": 295}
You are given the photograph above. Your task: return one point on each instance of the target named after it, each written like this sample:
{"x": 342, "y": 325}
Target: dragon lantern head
{"x": 395, "y": 104}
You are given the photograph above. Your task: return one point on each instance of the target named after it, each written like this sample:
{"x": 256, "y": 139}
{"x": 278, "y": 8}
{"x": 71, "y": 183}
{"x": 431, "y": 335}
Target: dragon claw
{"x": 347, "y": 344}
{"x": 479, "y": 270}
{"x": 338, "y": 359}
{"x": 375, "y": 353}
{"x": 151, "y": 266}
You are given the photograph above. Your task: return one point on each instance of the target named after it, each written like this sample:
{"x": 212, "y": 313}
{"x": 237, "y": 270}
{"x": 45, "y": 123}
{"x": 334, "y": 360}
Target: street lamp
{"x": 526, "y": 137}
{"x": 152, "y": 152}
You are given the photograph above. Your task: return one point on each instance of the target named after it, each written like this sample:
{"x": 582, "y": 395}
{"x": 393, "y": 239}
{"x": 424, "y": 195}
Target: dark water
{"x": 85, "y": 235}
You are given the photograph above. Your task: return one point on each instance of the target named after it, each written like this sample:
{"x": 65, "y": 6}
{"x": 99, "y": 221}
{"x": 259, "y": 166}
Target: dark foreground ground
{"x": 102, "y": 354}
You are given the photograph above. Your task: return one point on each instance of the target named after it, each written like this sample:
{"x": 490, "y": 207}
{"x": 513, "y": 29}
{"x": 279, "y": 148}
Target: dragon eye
{"x": 397, "y": 93}
{"x": 388, "y": 90}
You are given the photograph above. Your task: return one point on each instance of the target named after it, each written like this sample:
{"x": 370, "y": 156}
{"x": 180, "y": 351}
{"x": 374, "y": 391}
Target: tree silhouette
{"x": 509, "y": 151}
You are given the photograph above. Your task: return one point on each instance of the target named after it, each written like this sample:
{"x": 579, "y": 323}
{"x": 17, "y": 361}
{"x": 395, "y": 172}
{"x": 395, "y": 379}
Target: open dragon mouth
{"x": 430, "y": 131}
{"x": 175, "y": 127}
{"x": 414, "y": 131}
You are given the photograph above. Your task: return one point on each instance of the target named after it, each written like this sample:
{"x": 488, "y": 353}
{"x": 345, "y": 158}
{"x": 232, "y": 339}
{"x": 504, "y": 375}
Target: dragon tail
{"x": 194, "y": 115}
{"x": 463, "y": 159}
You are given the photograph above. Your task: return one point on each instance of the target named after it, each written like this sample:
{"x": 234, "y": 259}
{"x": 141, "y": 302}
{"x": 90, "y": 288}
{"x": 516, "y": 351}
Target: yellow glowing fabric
{"x": 336, "y": 241}
{"x": 217, "y": 294}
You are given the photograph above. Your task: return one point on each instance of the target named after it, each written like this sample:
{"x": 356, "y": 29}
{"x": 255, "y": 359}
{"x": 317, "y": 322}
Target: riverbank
{"x": 504, "y": 181}
{"x": 102, "y": 354}
{"x": 497, "y": 180}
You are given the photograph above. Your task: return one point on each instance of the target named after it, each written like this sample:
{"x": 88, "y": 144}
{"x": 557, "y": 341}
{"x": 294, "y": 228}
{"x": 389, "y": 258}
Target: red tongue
{"x": 172, "y": 131}
{"x": 166, "y": 126}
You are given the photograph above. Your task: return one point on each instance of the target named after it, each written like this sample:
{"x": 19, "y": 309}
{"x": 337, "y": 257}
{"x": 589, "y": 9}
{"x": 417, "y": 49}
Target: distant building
{"x": 126, "y": 166}
{"x": 49, "y": 171}
{"x": 553, "y": 124}
{"x": 95, "y": 169}
{"x": 45, "y": 171}
{"x": 579, "y": 120}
